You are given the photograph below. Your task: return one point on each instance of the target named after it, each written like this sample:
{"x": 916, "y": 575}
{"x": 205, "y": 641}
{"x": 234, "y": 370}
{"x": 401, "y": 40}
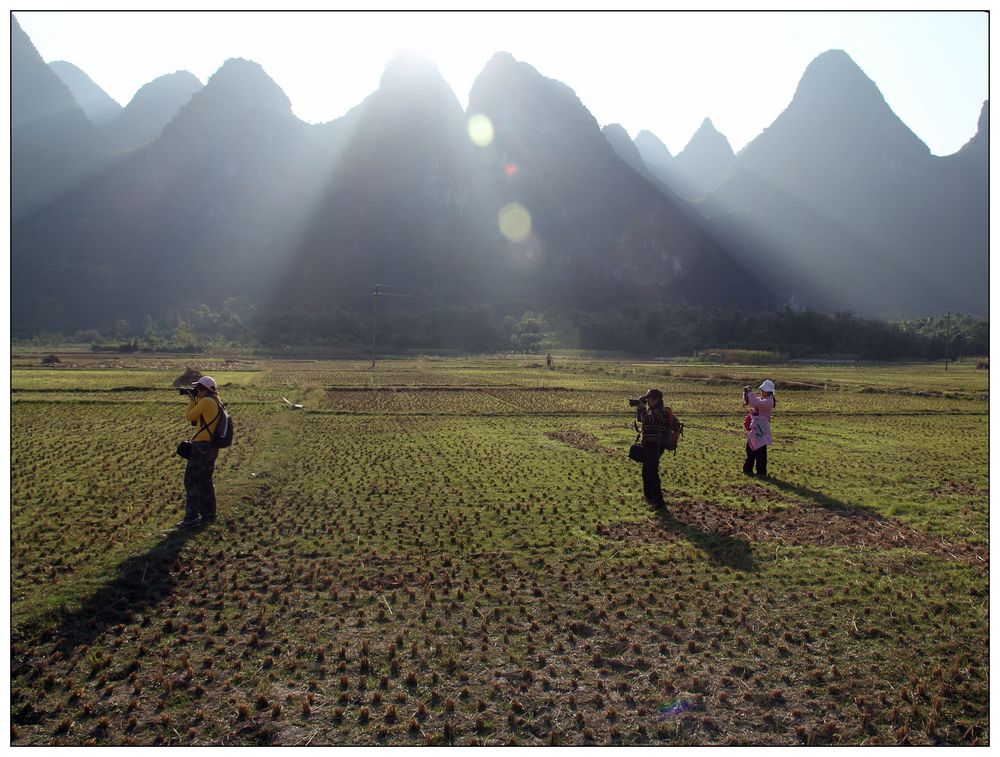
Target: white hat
{"x": 206, "y": 381}
{"x": 767, "y": 386}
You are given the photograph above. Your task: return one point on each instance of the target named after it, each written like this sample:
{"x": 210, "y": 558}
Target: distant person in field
{"x": 548, "y": 360}
{"x": 758, "y": 426}
{"x": 655, "y": 420}
{"x": 203, "y": 412}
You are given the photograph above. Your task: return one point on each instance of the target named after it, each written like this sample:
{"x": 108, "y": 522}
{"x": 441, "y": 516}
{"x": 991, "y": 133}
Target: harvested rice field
{"x": 457, "y": 551}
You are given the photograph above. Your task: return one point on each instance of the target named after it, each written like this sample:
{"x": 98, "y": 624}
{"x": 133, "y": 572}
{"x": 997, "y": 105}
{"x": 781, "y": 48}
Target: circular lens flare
{"x": 514, "y": 221}
{"x": 510, "y": 169}
{"x": 480, "y": 130}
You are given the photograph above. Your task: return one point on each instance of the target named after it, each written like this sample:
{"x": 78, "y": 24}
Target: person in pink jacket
{"x": 759, "y": 431}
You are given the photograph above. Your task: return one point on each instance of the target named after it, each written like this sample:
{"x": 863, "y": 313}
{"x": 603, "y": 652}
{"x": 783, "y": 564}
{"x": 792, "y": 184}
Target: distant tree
{"x": 87, "y": 336}
{"x": 183, "y": 336}
{"x": 203, "y": 320}
{"x": 527, "y": 334}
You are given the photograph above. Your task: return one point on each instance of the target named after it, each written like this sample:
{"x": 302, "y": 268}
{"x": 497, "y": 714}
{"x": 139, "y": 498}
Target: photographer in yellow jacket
{"x": 203, "y": 411}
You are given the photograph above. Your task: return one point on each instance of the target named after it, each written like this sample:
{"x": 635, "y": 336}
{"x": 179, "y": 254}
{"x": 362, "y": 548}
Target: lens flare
{"x": 480, "y": 130}
{"x": 515, "y": 222}
{"x": 510, "y": 169}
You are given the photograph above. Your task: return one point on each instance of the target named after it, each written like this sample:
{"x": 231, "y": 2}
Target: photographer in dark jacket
{"x": 655, "y": 420}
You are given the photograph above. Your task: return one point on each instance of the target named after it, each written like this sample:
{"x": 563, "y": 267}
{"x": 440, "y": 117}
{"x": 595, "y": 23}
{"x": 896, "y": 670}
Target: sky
{"x": 664, "y": 72}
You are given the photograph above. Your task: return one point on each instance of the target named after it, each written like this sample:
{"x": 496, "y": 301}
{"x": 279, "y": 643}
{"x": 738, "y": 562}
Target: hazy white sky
{"x": 661, "y": 71}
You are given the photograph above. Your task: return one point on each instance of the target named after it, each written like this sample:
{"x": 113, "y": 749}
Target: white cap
{"x": 767, "y": 386}
{"x": 206, "y": 381}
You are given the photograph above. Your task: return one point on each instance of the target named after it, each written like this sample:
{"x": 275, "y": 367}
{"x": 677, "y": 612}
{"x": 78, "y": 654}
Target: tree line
{"x": 657, "y": 330}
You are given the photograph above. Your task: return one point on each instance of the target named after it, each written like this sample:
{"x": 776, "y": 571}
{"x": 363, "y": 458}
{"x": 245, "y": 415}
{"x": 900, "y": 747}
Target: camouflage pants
{"x": 198, "y": 481}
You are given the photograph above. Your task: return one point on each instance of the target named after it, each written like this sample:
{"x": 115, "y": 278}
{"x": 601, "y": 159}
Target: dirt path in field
{"x": 804, "y": 524}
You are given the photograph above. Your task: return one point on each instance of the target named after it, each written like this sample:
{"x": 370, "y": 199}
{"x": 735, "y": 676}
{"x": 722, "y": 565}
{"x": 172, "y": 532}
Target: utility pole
{"x": 375, "y": 296}
{"x": 947, "y": 338}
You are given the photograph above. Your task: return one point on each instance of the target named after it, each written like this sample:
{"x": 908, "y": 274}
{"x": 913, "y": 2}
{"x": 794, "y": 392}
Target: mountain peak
{"x": 623, "y": 146}
{"x": 834, "y": 77}
{"x": 698, "y": 166}
{"x": 708, "y": 139}
{"x": 833, "y": 63}
{"x": 501, "y": 58}
{"x": 834, "y": 58}
{"x": 413, "y": 77}
{"x": 37, "y": 93}
{"x": 407, "y": 66}
{"x": 834, "y": 90}
{"x": 178, "y": 80}
{"x": 655, "y": 155}
{"x": 250, "y": 82}
{"x": 502, "y": 66}
{"x": 151, "y": 109}
{"x": 647, "y": 140}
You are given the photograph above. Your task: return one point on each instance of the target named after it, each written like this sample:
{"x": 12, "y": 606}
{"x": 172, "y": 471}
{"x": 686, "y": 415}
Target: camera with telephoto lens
{"x": 637, "y": 402}
{"x": 186, "y": 391}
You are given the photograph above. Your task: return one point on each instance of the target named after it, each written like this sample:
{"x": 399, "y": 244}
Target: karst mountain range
{"x": 195, "y": 193}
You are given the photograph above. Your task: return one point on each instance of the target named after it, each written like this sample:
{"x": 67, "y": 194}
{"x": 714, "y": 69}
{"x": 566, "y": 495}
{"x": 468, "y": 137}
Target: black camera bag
{"x": 184, "y": 450}
{"x": 635, "y": 452}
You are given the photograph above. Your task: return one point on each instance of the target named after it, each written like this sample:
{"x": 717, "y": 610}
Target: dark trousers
{"x": 198, "y": 481}
{"x": 652, "y": 452}
{"x": 759, "y": 457}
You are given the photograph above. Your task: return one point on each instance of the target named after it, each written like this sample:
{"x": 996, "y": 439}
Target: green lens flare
{"x": 480, "y": 130}
{"x": 515, "y": 222}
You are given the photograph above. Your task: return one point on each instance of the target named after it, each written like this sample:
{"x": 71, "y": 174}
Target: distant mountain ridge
{"x": 654, "y": 154}
{"x": 840, "y": 203}
{"x": 624, "y": 147}
{"x": 693, "y": 171}
{"x": 699, "y": 165}
{"x": 606, "y": 233}
{"x": 53, "y": 144}
{"x": 97, "y": 104}
{"x": 840, "y": 151}
{"x": 151, "y": 109}
{"x": 219, "y": 191}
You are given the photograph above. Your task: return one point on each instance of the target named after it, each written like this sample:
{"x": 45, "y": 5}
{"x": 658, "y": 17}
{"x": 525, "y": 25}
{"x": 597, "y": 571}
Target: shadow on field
{"x": 719, "y": 548}
{"x": 143, "y": 581}
{"x": 824, "y": 500}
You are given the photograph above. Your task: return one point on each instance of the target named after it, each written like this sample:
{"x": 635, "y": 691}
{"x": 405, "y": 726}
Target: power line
{"x": 380, "y": 291}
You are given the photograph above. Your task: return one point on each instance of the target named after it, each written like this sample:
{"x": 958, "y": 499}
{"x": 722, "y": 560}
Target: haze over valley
{"x": 196, "y": 194}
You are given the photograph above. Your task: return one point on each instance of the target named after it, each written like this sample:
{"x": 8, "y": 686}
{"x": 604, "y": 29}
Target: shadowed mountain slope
{"x": 838, "y": 153}
{"x": 203, "y": 213}
{"x": 53, "y": 145}
{"x": 601, "y": 233}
